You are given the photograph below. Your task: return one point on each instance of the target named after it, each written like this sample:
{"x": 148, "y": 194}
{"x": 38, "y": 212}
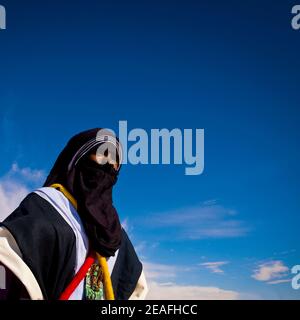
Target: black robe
{"x": 48, "y": 247}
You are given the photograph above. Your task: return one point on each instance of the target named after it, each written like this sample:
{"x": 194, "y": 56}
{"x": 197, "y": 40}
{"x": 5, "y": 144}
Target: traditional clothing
{"x": 65, "y": 240}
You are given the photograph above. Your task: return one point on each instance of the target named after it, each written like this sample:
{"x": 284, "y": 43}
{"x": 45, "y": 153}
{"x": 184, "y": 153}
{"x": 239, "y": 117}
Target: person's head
{"x": 88, "y": 168}
{"x": 98, "y": 145}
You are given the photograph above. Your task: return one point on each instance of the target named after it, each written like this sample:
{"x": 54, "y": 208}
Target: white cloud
{"x": 162, "y": 272}
{"x": 280, "y": 281}
{"x": 214, "y": 267}
{"x": 27, "y": 174}
{"x": 14, "y": 187}
{"x": 11, "y": 194}
{"x": 270, "y": 270}
{"x": 162, "y": 285}
{"x": 140, "y": 247}
{"x": 170, "y": 291}
{"x": 125, "y": 225}
{"x": 207, "y": 220}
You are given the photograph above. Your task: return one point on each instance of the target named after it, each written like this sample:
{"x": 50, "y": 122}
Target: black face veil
{"x": 91, "y": 184}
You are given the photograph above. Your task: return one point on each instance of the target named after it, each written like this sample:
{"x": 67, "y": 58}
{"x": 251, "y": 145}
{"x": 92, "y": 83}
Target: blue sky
{"x": 230, "y": 67}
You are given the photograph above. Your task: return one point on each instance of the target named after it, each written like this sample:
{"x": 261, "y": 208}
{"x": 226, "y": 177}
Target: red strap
{"x": 80, "y": 275}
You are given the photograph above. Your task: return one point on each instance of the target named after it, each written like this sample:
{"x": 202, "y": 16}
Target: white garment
{"x": 11, "y": 257}
{"x": 64, "y": 207}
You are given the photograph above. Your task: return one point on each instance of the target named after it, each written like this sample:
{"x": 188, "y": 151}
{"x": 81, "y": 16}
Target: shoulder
{"x": 36, "y": 213}
{"x": 37, "y": 224}
{"x": 46, "y": 241}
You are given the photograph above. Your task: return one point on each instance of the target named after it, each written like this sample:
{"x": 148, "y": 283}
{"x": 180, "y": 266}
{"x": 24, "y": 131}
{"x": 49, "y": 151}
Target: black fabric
{"x": 47, "y": 243}
{"x": 48, "y": 247}
{"x": 93, "y": 192}
{"x": 91, "y": 184}
{"x": 127, "y": 270}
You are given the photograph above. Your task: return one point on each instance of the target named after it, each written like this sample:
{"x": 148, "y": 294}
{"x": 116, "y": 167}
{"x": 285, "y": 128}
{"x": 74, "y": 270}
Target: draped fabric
{"x": 91, "y": 184}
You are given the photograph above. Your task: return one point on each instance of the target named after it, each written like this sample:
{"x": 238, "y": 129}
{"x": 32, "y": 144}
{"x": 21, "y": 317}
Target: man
{"x": 65, "y": 240}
